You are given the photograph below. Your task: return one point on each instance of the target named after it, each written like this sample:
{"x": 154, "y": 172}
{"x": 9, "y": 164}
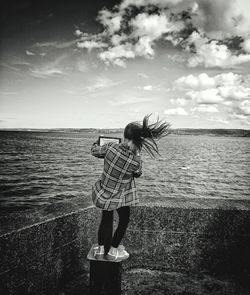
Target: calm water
{"x": 39, "y": 168}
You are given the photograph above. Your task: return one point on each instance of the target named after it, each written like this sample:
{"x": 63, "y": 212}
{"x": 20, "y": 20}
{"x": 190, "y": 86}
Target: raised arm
{"x": 99, "y": 151}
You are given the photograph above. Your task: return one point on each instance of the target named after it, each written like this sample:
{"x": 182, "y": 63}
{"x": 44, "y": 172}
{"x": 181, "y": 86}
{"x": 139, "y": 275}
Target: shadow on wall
{"x": 225, "y": 245}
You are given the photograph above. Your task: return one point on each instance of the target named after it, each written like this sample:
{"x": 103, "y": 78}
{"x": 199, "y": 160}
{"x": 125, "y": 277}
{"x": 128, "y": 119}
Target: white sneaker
{"x": 119, "y": 253}
{"x": 98, "y": 252}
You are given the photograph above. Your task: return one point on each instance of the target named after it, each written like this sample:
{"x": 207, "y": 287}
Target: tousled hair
{"x": 145, "y": 135}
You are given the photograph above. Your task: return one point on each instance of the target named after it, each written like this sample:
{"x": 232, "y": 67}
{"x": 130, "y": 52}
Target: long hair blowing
{"x": 145, "y": 135}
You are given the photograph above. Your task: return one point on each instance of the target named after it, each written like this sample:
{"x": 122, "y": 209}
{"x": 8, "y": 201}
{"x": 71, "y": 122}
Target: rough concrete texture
{"x": 189, "y": 238}
{"x": 40, "y": 257}
{"x": 44, "y": 252}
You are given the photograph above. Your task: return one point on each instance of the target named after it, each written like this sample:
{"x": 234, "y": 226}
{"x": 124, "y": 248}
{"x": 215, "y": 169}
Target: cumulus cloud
{"x": 110, "y": 20}
{"x": 228, "y": 91}
{"x": 117, "y": 54}
{"x": 203, "y": 81}
{"x": 178, "y": 111}
{"x": 208, "y": 96}
{"x": 246, "y": 45}
{"x": 206, "y": 29}
{"x": 212, "y": 54}
{"x": 206, "y": 89}
{"x": 153, "y": 26}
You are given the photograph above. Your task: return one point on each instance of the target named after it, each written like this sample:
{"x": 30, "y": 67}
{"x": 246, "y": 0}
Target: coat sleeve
{"x": 99, "y": 151}
{"x": 135, "y": 165}
{"x": 138, "y": 172}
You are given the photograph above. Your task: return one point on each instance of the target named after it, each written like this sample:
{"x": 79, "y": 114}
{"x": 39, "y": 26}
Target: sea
{"x": 41, "y": 168}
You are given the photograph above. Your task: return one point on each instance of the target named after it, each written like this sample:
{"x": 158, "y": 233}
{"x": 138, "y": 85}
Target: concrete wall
{"x": 43, "y": 250}
{"x": 47, "y": 250}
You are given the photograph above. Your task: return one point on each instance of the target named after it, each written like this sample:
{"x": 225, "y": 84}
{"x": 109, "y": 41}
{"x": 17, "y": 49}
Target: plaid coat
{"x": 115, "y": 187}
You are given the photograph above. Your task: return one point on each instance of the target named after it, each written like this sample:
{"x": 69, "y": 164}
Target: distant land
{"x": 177, "y": 131}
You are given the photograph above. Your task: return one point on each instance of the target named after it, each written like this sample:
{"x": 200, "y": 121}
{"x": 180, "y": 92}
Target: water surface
{"x": 39, "y": 168}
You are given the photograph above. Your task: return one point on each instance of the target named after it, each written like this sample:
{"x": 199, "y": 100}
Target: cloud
{"x": 45, "y": 72}
{"x": 110, "y": 20}
{"x": 246, "y": 45}
{"x": 212, "y": 33}
{"x": 153, "y": 26}
{"x": 49, "y": 69}
{"x": 212, "y": 54}
{"x": 78, "y": 32}
{"x": 91, "y": 44}
{"x": 117, "y": 54}
{"x": 240, "y": 112}
{"x": 206, "y": 89}
{"x": 178, "y": 111}
{"x": 208, "y": 96}
{"x": 55, "y": 44}
{"x": 245, "y": 107}
{"x": 148, "y": 87}
{"x": 10, "y": 67}
{"x": 203, "y": 108}
{"x": 234, "y": 92}
{"x": 228, "y": 91}
{"x": 29, "y": 52}
{"x": 144, "y": 47}
{"x": 202, "y": 81}
{"x": 179, "y": 101}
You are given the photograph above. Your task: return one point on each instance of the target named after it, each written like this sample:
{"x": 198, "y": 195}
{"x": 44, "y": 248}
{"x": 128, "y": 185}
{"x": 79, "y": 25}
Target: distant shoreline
{"x": 177, "y": 131}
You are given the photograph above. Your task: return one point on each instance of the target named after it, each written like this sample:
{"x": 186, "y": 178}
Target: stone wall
{"x": 43, "y": 250}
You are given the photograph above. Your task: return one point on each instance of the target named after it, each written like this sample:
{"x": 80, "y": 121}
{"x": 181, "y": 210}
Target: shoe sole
{"x": 113, "y": 258}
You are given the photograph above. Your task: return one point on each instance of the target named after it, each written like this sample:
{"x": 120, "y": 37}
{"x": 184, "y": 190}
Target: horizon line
{"x": 118, "y": 128}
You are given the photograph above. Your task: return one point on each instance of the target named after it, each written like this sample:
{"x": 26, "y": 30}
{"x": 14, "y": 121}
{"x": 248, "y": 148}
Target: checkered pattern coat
{"x": 115, "y": 187}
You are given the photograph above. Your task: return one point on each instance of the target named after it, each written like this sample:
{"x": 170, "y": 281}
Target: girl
{"x": 115, "y": 189}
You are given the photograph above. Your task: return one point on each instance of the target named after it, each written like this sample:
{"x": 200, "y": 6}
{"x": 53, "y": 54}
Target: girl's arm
{"x": 99, "y": 151}
{"x": 138, "y": 172}
{"x": 135, "y": 165}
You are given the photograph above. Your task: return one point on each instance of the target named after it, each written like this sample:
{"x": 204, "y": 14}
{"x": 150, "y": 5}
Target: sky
{"x": 103, "y": 64}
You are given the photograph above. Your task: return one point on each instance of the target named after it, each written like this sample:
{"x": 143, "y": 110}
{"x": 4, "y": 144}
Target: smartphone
{"x": 106, "y": 139}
